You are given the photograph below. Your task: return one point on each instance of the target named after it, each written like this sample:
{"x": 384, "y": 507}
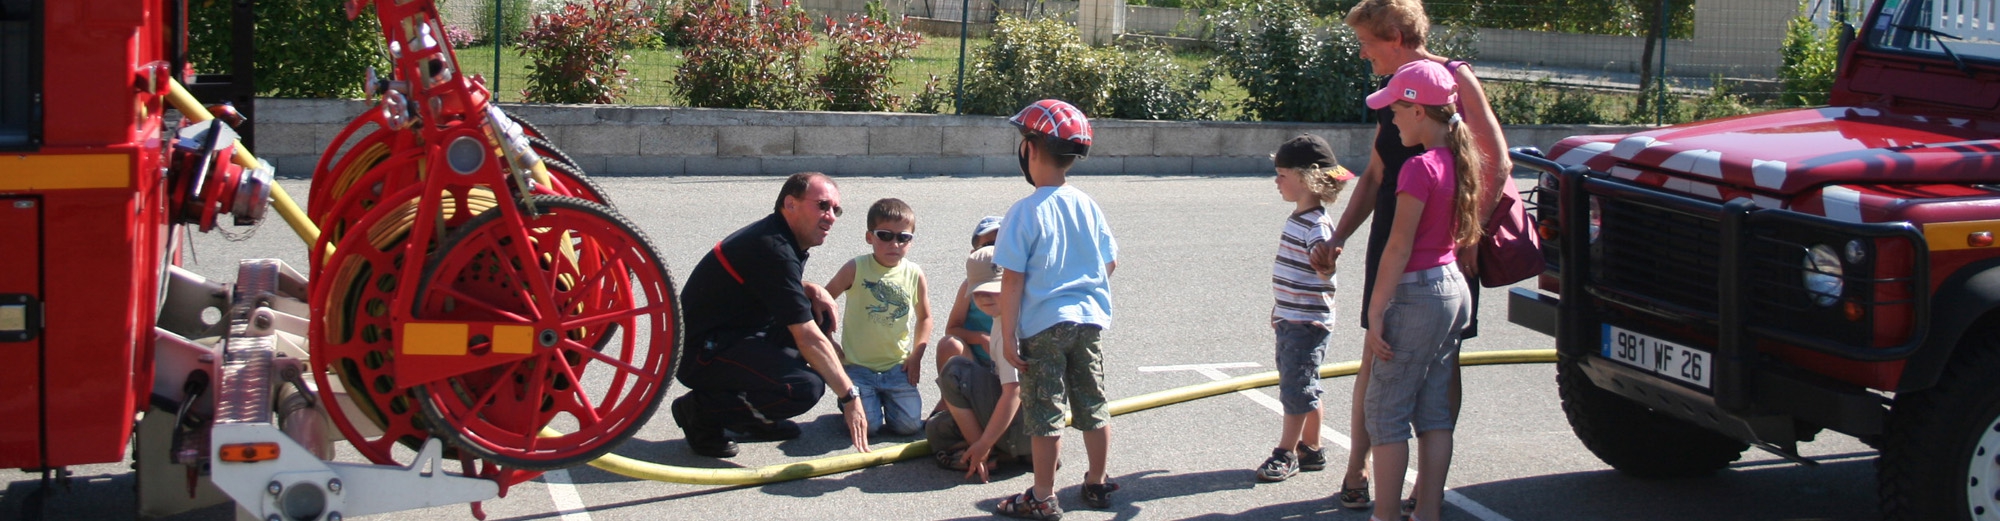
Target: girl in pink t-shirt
{"x": 1420, "y": 302}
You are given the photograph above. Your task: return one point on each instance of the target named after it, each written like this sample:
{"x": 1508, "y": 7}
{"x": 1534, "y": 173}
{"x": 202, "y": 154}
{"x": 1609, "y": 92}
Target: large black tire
{"x": 1939, "y": 449}
{"x": 580, "y": 186}
{"x": 1635, "y": 439}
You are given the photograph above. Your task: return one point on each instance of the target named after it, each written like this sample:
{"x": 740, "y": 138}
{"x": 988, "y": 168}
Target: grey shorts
{"x": 1422, "y": 326}
{"x": 967, "y": 383}
{"x": 1301, "y": 349}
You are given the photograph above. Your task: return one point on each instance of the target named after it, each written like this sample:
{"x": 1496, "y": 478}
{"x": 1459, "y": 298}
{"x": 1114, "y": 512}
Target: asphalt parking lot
{"x": 1191, "y": 294}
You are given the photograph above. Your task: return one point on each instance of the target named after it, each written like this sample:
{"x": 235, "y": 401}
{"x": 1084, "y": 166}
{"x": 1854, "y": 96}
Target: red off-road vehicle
{"x": 1756, "y": 279}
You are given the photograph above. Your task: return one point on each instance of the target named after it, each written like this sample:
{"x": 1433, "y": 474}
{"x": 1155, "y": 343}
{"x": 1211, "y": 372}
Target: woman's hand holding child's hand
{"x": 1324, "y": 256}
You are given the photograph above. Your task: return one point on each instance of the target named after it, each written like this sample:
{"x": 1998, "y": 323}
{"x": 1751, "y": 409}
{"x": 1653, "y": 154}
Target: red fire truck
{"x": 1752, "y": 281}
{"x": 467, "y": 301}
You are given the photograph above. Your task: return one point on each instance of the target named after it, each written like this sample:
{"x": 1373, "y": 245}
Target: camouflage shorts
{"x": 1065, "y": 366}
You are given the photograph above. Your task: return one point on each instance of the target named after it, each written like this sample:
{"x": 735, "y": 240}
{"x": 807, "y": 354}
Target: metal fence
{"x": 653, "y": 69}
{"x": 1735, "y": 39}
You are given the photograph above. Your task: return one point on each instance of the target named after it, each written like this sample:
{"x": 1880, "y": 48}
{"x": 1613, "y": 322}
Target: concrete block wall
{"x": 1100, "y": 21}
{"x": 617, "y": 140}
{"x": 1580, "y": 51}
{"x": 1165, "y": 21}
{"x": 1737, "y": 38}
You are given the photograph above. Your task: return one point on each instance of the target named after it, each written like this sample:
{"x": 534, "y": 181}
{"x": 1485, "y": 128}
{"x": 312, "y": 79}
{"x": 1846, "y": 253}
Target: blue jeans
{"x": 891, "y": 403}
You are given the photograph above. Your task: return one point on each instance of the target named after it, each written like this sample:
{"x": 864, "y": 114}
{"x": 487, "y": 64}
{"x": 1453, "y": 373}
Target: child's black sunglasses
{"x": 896, "y": 237}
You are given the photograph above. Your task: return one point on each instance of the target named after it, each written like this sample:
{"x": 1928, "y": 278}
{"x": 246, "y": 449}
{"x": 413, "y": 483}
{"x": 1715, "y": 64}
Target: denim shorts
{"x": 1065, "y": 366}
{"x": 1422, "y": 326}
{"x": 1301, "y": 349}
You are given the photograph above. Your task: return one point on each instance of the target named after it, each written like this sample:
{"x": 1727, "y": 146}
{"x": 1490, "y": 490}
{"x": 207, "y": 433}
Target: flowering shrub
{"x": 734, "y": 60}
{"x": 459, "y": 37}
{"x": 856, "y": 76}
{"x": 673, "y": 20}
{"x": 577, "y": 51}
{"x": 933, "y": 99}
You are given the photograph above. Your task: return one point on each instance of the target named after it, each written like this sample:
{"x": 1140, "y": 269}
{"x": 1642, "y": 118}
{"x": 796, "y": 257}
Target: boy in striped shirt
{"x": 1309, "y": 177}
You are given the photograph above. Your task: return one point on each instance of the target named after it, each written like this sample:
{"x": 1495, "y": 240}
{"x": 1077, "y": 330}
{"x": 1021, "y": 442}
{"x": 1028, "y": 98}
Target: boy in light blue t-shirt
{"x": 1055, "y": 299}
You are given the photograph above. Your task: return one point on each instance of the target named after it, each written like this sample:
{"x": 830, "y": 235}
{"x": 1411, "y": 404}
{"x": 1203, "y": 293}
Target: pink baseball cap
{"x": 1423, "y": 82}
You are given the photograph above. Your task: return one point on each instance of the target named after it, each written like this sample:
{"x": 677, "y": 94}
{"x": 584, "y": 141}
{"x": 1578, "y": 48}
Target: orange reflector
{"x": 1851, "y": 310}
{"x": 1979, "y": 239}
{"x": 1547, "y": 232}
{"x": 249, "y": 452}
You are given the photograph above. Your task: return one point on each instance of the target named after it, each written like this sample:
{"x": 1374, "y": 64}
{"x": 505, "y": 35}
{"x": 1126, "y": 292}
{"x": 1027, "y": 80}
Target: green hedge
{"x": 1300, "y": 67}
{"x": 305, "y": 48}
{"x": 1613, "y": 17}
{"x": 1810, "y": 54}
{"x": 1029, "y": 60}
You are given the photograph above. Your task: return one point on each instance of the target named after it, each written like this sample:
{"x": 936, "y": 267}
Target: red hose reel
{"x": 467, "y": 289}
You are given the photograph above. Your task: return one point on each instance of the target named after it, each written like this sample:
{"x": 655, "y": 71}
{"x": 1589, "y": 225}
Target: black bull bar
{"x": 1575, "y": 321}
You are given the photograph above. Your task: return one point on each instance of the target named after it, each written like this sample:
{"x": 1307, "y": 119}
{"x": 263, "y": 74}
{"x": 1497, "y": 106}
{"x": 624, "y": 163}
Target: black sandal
{"x": 1356, "y": 498}
{"x": 950, "y": 459}
{"x": 1025, "y": 506}
{"x": 1099, "y": 495}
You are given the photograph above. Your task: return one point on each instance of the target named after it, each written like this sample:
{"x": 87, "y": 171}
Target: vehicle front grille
{"x": 1658, "y": 253}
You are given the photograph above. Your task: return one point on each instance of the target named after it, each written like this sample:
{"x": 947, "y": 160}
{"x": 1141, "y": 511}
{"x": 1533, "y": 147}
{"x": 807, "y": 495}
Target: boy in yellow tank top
{"x": 878, "y": 349}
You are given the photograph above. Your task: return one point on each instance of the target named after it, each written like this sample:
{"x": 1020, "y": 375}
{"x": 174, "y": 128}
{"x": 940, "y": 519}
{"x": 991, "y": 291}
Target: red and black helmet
{"x": 1057, "y": 119}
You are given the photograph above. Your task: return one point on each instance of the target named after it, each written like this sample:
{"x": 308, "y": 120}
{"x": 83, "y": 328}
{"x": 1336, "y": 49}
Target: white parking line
{"x": 563, "y": 492}
{"x": 1214, "y": 372}
{"x": 1197, "y": 367}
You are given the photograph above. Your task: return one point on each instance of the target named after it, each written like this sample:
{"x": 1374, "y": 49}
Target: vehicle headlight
{"x": 1822, "y": 275}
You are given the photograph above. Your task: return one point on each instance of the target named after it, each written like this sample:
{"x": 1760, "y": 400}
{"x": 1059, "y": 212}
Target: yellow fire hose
{"x": 178, "y": 97}
{"x": 632, "y": 468}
